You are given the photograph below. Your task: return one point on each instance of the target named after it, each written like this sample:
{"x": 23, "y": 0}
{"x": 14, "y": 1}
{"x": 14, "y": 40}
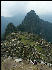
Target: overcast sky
{"x": 11, "y": 8}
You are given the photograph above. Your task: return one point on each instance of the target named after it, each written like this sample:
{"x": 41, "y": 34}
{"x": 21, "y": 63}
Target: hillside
{"x": 32, "y": 23}
{"x": 27, "y": 46}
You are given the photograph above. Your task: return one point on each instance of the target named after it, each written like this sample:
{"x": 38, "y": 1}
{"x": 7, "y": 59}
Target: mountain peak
{"x": 31, "y": 12}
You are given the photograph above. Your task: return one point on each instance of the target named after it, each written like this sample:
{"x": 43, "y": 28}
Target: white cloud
{"x": 10, "y": 8}
{"x": 40, "y": 7}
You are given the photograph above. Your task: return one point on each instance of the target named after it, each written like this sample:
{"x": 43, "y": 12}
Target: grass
{"x": 26, "y": 41}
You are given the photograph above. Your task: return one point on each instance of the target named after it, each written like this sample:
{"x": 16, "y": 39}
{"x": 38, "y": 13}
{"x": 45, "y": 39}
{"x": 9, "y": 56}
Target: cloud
{"x": 40, "y": 7}
{"x": 11, "y": 8}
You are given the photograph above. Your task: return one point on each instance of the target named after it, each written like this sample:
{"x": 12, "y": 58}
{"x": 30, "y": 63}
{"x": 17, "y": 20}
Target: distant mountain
{"x": 32, "y": 23}
{"x": 46, "y": 17}
{"x": 16, "y": 20}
